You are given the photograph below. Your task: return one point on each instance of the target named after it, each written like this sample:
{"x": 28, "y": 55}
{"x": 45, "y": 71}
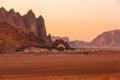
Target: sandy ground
{"x": 59, "y": 66}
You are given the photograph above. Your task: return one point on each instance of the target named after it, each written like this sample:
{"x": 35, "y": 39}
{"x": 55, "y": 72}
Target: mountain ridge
{"x": 105, "y": 39}
{"x": 21, "y": 30}
{"x": 27, "y": 22}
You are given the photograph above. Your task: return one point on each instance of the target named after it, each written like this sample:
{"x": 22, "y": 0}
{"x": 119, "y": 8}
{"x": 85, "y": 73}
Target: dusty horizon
{"x": 78, "y": 20}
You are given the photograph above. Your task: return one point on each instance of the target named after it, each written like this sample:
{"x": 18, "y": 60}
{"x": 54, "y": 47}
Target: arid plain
{"x": 99, "y": 66}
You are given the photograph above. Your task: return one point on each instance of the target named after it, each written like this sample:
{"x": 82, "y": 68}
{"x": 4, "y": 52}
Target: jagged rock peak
{"x": 17, "y": 13}
{"x": 11, "y": 11}
{"x": 41, "y": 19}
{"x": 40, "y": 16}
{"x": 2, "y": 9}
{"x": 30, "y": 13}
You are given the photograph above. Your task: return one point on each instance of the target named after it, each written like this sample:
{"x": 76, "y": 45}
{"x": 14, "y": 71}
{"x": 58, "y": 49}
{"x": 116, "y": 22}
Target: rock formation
{"x": 107, "y": 39}
{"x": 21, "y": 30}
{"x": 12, "y": 37}
{"x": 28, "y": 22}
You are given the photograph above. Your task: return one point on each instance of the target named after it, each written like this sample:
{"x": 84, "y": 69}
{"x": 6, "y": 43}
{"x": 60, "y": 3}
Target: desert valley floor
{"x": 20, "y": 66}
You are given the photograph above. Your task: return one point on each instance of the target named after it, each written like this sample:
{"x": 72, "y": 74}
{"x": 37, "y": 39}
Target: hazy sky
{"x": 77, "y": 19}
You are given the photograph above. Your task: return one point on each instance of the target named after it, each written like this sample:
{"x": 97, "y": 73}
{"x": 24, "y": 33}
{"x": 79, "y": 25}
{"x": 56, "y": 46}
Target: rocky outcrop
{"x": 66, "y": 39}
{"x": 41, "y": 31}
{"x": 28, "y": 22}
{"x": 12, "y": 37}
{"x": 107, "y": 39}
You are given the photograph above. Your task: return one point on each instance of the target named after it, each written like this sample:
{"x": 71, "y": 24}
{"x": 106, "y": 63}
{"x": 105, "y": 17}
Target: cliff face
{"x": 11, "y": 38}
{"x": 107, "y": 39}
{"x": 28, "y": 22}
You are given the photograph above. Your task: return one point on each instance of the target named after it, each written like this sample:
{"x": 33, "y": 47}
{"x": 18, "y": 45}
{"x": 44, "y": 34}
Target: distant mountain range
{"x": 106, "y": 39}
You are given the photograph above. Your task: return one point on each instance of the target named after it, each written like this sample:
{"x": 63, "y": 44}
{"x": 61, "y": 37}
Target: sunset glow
{"x": 76, "y": 19}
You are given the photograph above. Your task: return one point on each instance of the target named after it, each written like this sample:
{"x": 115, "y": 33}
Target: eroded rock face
{"x": 12, "y": 37}
{"x": 41, "y": 29}
{"x": 3, "y": 14}
{"x": 107, "y": 39}
{"x": 28, "y": 22}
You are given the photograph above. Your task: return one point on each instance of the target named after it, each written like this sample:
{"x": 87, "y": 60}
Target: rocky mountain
{"x": 11, "y": 37}
{"x": 28, "y": 22}
{"x": 17, "y": 29}
{"x": 21, "y": 30}
{"x": 107, "y": 39}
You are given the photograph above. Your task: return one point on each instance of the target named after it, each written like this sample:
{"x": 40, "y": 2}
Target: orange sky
{"x": 77, "y": 19}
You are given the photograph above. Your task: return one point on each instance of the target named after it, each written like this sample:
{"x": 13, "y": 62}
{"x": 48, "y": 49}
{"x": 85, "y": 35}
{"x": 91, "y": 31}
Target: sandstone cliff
{"x": 11, "y": 38}
{"x": 107, "y": 39}
{"x": 28, "y": 22}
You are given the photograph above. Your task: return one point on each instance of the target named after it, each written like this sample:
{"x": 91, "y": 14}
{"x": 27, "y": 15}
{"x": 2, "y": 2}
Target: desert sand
{"x": 20, "y": 66}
